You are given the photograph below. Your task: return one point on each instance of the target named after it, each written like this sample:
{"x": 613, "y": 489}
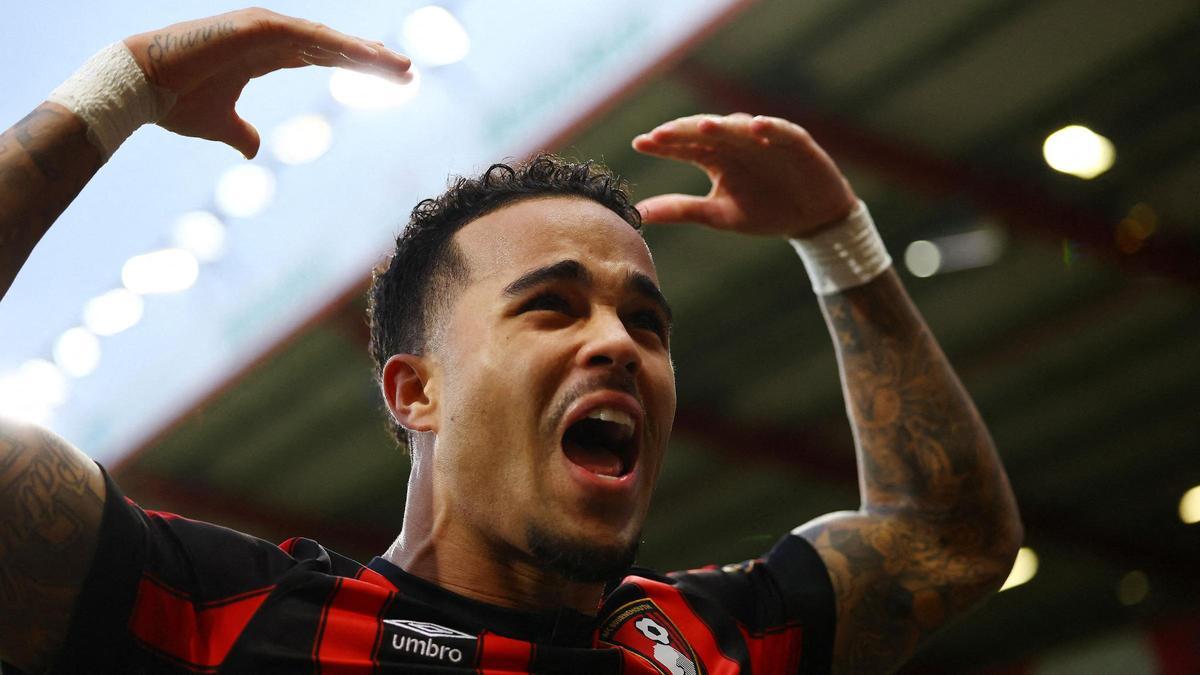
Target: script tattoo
{"x": 163, "y": 44}
{"x": 50, "y": 505}
{"x": 937, "y": 525}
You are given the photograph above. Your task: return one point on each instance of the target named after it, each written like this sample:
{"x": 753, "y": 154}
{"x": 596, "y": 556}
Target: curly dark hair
{"x": 411, "y": 289}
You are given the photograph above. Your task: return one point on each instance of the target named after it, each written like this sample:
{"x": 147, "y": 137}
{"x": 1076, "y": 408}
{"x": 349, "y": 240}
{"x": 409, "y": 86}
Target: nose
{"x": 609, "y": 344}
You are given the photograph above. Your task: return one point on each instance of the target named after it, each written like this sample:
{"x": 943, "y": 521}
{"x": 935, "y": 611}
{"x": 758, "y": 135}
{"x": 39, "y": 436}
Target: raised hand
{"x": 207, "y": 62}
{"x": 769, "y": 177}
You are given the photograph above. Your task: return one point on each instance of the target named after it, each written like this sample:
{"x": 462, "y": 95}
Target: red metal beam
{"x": 1025, "y": 206}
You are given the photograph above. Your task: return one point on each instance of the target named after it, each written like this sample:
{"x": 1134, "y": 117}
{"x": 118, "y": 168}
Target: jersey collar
{"x": 563, "y": 627}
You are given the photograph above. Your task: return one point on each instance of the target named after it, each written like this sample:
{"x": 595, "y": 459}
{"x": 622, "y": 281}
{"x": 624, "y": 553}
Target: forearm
{"x": 923, "y": 450}
{"x": 45, "y": 160}
{"x": 938, "y": 526}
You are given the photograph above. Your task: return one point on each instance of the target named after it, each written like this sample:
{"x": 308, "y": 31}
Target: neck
{"x": 437, "y": 548}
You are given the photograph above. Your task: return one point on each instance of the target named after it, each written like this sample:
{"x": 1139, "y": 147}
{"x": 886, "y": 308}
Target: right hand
{"x": 207, "y": 62}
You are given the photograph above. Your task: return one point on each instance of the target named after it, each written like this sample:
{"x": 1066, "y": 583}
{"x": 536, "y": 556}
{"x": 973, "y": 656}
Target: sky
{"x": 257, "y": 247}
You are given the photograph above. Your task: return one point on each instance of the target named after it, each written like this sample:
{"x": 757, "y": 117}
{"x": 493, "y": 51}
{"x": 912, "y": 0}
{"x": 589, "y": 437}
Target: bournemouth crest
{"x": 641, "y": 627}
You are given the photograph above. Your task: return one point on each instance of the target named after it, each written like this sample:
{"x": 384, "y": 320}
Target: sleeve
{"x": 165, "y": 589}
{"x": 783, "y": 603}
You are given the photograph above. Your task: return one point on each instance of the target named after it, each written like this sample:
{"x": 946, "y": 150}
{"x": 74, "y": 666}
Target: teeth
{"x": 619, "y": 417}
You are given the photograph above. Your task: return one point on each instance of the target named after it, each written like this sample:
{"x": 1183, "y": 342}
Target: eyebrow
{"x": 574, "y": 271}
{"x": 644, "y": 285}
{"x": 563, "y": 270}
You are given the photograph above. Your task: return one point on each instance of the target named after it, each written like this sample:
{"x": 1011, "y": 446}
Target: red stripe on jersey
{"x": 697, "y": 633}
{"x": 351, "y": 628}
{"x": 498, "y": 654}
{"x": 371, "y": 576}
{"x": 776, "y": 651}
{"x": 162, "y": 514}
{"x": 197, "y": 635}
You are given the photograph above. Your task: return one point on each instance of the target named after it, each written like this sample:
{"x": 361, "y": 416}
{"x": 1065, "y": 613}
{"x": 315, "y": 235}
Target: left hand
{"x": 769, "y": 177}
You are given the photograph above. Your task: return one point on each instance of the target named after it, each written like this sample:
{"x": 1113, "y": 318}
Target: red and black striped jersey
{"x": 167, "y": 594}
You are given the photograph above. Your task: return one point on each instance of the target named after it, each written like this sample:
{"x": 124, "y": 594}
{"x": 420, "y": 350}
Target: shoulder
{"x": 769, "y": 613}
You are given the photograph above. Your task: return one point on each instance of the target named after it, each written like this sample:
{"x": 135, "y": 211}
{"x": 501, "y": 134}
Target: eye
{"x": 651, "y": 321}
{"x": 548, "y": 302}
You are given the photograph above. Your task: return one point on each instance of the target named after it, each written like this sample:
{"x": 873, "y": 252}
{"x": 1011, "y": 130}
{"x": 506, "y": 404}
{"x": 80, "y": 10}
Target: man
{"x": 523, "y": 347}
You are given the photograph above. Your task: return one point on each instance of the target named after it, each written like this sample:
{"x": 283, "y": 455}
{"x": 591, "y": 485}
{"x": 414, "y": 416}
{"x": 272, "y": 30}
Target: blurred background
{"x": 196, "y": 322}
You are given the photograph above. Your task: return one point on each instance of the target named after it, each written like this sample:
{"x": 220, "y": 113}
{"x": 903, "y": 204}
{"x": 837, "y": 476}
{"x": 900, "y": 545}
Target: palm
{"x": 207, "y": 111}
{"x": 768, "y": 176}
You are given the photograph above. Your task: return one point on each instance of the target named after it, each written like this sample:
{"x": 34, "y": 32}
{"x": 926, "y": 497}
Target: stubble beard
{"x": 578, "y": 560}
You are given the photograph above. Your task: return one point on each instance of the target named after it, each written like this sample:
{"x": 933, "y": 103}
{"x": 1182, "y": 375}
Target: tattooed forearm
{"x": 938, "y": 524}
{"x": 922, "y": 445}
{"x": 45, "y": 160}
{"x": 51, "y": 500}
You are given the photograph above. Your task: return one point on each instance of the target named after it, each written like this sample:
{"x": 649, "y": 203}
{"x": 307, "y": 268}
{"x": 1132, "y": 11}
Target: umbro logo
{"x": 428, "y": 646}
{"x": 428, "y": 629}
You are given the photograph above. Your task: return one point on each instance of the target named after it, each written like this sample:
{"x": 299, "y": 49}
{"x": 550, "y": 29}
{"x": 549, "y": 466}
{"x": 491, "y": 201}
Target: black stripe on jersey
{"x": 288, "y": 620}
{"x": 102, "y": 647}
{"x": 211, "y": 561}
{"x": 713, "y": 615}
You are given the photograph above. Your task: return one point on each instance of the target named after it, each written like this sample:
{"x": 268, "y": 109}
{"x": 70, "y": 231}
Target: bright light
{"x": 32, "y": 391}
{"x": 1189, "y": 506}
{"x": 301, "y": 139}
{"x": 923, "y": 258}
{"x": 169, "y": 270}
{"x": 432, "y": 35}
{"x": 77, "y": 352}
{"x": 200, "y": 233}
{"x": 360, "y": 90}
{"x": 245, "y": 190}
{"x": 113, "y": 312}
{"x": 1079, "y": 151}
{"x": 1023, "y": 568}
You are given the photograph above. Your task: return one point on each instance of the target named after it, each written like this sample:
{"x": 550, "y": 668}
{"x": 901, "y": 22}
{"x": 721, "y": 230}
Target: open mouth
{"x": 602, "y": 442}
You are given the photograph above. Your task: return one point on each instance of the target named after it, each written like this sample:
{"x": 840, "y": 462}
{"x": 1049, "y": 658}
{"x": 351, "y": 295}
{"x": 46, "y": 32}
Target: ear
{"x": 407, "y": 390}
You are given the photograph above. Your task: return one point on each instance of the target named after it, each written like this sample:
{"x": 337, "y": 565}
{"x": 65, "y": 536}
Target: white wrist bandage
{"x": 111, "y": 94}
{"x": 846, "y": 255}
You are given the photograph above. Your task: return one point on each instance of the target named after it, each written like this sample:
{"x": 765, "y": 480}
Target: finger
{"x": 676, "y": 209}
{"x": 239, "y": 134}
{"x": 779, "y": 132}
{"x": 681, "y": 130}
{"x": 695, "y": 153}
{"x": 314, "y": 58}
{"x": 319, "y": 56}
{"x": 296, "y": 57}
{"x": 729, "y": 130}
{"x": 359, "y": 51}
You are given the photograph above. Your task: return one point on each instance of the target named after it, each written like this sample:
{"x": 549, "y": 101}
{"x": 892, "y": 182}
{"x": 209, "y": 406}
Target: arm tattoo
{"x": 938, "y": 524}
{"x": 45, "y": 160}
{"x": 51, "y": 501}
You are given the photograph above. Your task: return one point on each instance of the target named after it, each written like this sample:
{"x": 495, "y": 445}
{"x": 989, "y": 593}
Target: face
{"x": 555, "y": 392}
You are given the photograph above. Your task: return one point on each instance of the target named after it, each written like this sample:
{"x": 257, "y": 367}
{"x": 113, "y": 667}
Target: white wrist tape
{"x": 845, "y": 255}
{"x": 111, "y": 94}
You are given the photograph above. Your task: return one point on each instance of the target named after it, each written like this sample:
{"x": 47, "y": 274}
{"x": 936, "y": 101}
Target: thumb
{"x": 676, "y": 209}
{"x": 241, "y": 135}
